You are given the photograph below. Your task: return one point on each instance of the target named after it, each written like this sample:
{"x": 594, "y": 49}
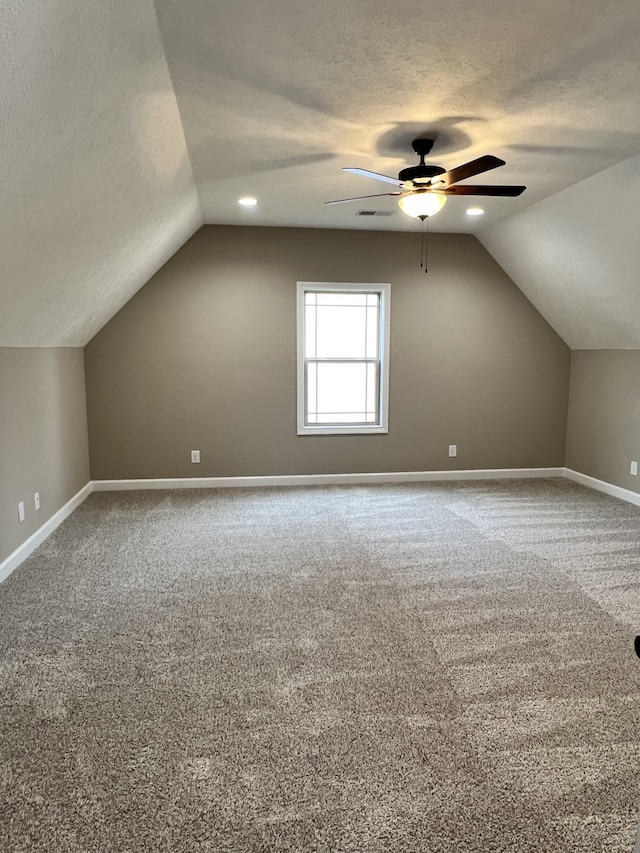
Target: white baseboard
{"x": 324, "y": 479}
{"x": 601, "y": 486}
{"x": 22, "y": 552}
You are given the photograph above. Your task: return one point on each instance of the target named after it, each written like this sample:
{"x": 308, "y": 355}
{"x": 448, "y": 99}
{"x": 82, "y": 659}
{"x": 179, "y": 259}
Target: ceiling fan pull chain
{"x": 426, "y": 248}
{"x": 424, "y": 244}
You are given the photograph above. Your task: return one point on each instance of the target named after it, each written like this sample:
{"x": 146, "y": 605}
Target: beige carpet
{"x": 446, "y": 668}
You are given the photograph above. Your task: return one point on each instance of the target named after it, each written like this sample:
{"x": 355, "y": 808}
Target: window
{"x": 343, "y": 358}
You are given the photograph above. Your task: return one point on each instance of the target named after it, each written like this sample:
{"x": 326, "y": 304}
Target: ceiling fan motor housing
{"x": 422, "y": 147}
{"x": 411, "y": 173}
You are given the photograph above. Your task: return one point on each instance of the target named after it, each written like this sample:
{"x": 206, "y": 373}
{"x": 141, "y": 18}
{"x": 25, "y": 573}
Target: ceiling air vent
{"x": 374, "y": 213}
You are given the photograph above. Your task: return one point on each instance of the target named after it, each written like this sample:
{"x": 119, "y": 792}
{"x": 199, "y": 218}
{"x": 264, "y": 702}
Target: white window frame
{"x": 384, "y": 291}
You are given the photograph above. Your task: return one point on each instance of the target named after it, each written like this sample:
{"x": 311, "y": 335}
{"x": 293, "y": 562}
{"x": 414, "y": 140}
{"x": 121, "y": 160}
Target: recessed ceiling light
{"x": 474, "y": 211}
{"x": 248, "y": 201}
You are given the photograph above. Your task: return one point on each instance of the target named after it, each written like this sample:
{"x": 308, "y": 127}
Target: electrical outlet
{"x": 634, "y": 469}
{"x": 195, "y": 455}
{"x": 21, "y": 511}
{"x": 453, "y": 450}
{"x": 36, "y": 500}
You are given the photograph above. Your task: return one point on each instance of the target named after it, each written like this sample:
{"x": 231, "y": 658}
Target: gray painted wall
{"x": 603, "y": 432}
{"x": 43, "y": 437}
{"x": 203, "y": 357}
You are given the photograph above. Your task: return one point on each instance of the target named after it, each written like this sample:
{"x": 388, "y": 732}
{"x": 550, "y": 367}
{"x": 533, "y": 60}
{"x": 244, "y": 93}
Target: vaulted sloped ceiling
{"x": 97, "y": 190}
{"x": 126, "y": 124}
{"x": 576, "y": 256}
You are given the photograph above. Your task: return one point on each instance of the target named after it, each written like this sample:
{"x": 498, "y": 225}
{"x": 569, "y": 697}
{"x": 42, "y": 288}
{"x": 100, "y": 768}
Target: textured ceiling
{"x": 576, "y": 256}
{"x": 125, "y": 125}
{"x": 276, "y": 97}
{"x": 97, "y": 190}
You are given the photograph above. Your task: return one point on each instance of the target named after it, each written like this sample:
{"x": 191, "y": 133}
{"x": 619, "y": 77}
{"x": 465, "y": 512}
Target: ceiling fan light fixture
{"x": 421, "y": 203}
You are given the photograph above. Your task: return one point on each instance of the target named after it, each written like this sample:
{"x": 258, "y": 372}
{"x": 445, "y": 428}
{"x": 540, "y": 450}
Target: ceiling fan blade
{"x": 465, "y": 189}
{"x": 467, "y": 170}
{"x": 365, "y": 173}
{"x": 358, "y": 197}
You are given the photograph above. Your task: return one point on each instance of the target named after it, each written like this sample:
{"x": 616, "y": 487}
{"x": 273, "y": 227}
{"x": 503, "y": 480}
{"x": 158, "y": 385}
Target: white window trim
{"x": 384, "y": 290}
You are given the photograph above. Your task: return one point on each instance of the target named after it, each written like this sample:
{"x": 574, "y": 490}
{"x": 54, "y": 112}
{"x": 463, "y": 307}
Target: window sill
{"x": 343, "y": 430}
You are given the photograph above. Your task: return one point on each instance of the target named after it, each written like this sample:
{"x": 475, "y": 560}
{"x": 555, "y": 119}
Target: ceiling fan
{"x": 423, "y": 189}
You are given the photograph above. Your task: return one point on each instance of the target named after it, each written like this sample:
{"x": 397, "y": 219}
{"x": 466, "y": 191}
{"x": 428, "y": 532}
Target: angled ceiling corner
{"x": 576, "y": 256}
{"x": 98, "y": 190}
